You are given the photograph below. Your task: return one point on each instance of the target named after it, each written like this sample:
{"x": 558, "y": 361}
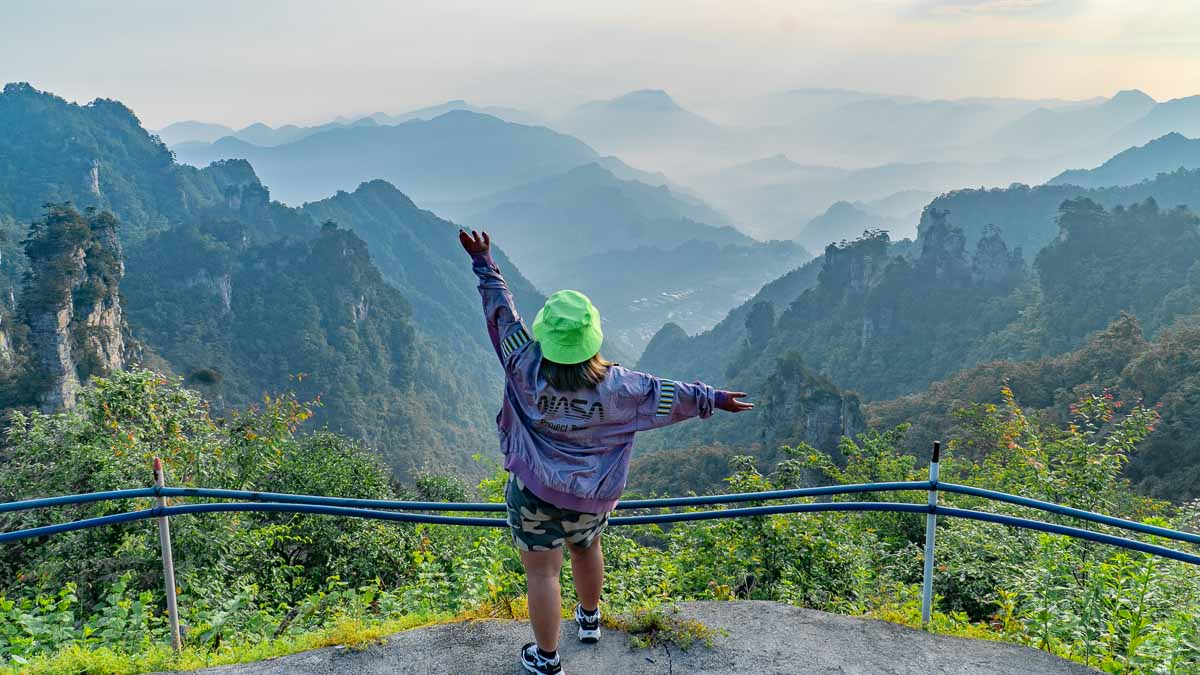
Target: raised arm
{"x": 507, "y": 332}
{"x": 665, "y": 402}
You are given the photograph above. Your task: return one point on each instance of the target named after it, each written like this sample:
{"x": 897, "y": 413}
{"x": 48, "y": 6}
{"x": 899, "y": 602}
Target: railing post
{"x": 164, "y": 540}
{"x": 930, "y": 532}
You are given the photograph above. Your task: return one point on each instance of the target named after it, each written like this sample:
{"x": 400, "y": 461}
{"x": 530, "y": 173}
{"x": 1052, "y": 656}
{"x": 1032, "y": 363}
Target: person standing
{"x": 566, "y": 428}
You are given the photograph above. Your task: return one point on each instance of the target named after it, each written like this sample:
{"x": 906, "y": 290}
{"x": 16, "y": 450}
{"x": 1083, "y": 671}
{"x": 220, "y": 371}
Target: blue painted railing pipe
{"x": 1051, "y": 507}
{"x": 628, "y": 504}
{"x": 706, "y": 500}
{"x": 618, "y": 521}
{"x": 67, "y": 500}
{"x": 387, "y": 504}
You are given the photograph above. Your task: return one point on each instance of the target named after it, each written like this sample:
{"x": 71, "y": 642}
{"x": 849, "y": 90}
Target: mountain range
{"x": 585, "y": 228}
{"x": 258, "y": 133}
{"x": 1142, "y": 163}
{"x": 458, "y": 155}
{"x": 243, "y": 295}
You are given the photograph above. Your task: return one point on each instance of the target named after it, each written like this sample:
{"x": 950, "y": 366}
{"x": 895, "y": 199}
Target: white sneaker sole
{"x": 589, "y": 636}
{"x": 535, "y": 671}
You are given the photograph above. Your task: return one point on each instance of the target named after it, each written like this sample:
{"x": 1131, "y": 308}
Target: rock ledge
{"x": 761, "y": 637}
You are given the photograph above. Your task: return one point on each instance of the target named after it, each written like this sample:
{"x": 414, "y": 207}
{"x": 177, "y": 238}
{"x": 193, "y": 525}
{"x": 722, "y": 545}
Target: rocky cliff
{"x": 71, "y": 305}
{"x": 800, "y": 406}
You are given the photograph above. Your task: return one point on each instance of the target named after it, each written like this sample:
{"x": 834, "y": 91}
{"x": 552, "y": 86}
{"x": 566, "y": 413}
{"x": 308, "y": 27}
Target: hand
{"x": 473, "y": 243}
{"x": 728, "y": 401}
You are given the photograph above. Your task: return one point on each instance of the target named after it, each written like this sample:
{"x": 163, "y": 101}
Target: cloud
{"x": 1009, "y": 8}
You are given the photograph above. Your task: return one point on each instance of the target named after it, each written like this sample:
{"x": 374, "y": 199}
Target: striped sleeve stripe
{"x": 666, "y": 398}
{"x": 514, "y": 342}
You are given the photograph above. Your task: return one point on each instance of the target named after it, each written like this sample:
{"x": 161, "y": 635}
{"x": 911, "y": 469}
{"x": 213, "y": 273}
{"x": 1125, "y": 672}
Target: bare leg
{"x": 587, "y": 566}
{"x": 545, "y": 596}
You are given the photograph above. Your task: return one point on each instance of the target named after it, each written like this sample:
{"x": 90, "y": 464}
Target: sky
{"x": 306, "y": 61}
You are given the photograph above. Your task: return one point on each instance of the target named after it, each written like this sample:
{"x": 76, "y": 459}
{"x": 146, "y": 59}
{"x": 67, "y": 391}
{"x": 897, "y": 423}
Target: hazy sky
{"x": 307, "y": 60}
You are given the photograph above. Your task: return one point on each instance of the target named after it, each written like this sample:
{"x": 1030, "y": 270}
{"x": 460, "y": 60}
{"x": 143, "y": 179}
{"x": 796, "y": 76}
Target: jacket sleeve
{"x": 665, "y": 402}
{"x": 504, "y": 325}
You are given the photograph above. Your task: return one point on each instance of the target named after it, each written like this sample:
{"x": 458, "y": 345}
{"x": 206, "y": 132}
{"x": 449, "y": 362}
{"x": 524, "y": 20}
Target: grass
{"x": 651, "y": 627}
{"x": 347, "y": 631}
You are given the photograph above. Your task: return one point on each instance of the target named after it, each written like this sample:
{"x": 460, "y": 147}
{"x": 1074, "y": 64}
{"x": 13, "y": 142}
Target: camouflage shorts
{"x": 540, "y": 526}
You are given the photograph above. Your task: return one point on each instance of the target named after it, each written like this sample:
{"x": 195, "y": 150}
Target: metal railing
{"x": 403, "y": 511}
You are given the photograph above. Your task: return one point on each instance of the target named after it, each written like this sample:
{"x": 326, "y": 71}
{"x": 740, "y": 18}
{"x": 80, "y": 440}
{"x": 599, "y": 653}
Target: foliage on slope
{"x": 240, "y": 316}
{"x": 1028, "y": 215}
{"x": 1118, "y": 360}
{"x": 418, "y": 252}
{"x": 1139, "y": 259}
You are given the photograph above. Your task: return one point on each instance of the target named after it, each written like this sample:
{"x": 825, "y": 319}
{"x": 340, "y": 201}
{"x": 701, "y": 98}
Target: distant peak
{"x": 377, "y": 184}
{"x": 1132, "y": 96}
{"x": 1169, "y": 138}
{"x": 461, "y": 114}
{"x": 779, "y": 160}
{"x": 20, "y": 88}
{"x": 591, "y": 169}
{"x": 382, "y": 188}
{"x": 647, "y": 99}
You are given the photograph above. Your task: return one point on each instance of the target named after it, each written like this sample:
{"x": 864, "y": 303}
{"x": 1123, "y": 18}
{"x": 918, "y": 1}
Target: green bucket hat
{"x": 568, "y": 328}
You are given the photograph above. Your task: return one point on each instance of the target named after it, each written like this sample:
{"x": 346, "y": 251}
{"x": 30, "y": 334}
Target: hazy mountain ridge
{"x": 693, "y": 284}
{"x": 198, "y": 133}
{"x": 779, "y": 206}
{"x": 1180, "y": 115}
{"x": 458, "y": 155}
{"x": 843, "y": 221}
{"x": 640, "y": 124}
{"x": 1142, "y": 163}
{"x": 586, "y": 228}
{"x": 1046, "y": 131}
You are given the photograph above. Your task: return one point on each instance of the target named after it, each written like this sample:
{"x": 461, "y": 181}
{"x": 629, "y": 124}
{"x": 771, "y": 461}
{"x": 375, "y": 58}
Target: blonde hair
{"x": 575, "y": 376}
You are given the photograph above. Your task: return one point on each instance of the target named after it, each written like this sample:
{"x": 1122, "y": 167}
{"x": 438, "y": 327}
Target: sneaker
{"x": 589, "y": 625}
{"x": 534, "y": 662}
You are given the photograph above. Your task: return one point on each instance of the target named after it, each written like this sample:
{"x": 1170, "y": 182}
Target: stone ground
{"x": 758, "y": 637}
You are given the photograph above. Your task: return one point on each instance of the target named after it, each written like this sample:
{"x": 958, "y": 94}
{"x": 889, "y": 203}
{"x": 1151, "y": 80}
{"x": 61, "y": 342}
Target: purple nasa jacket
{"x": 572, "y": 448}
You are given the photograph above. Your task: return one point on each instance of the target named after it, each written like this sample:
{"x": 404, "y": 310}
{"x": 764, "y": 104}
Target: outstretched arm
{"x": 507, "y": 332}
{"x": 666, "y": 402}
